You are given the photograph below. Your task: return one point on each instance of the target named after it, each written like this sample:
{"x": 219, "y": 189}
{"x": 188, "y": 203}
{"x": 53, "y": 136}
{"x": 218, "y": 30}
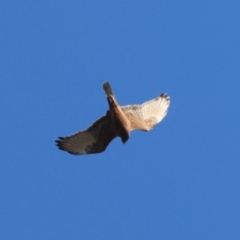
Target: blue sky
{"x": 178, "y": 181}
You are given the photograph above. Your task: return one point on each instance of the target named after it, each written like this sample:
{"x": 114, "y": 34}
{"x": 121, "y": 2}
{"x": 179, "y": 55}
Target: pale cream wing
{"x": 145, "y": 116}
{"x": 95, "y": 139}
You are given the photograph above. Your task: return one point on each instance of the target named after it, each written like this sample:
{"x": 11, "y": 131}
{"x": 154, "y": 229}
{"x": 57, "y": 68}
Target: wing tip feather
{"x": 60, "y": 145}
{"x": 165, "y": 95}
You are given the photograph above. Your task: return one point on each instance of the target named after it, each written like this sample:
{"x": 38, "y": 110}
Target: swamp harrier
{"x": 117, "y": 122}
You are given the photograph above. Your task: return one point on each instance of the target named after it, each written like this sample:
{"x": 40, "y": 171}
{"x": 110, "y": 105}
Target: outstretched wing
{"x": 147, "y": 115}
{"x": 95, "y": 139}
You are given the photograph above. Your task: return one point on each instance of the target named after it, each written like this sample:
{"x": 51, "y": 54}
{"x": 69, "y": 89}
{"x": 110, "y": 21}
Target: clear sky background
{"x": 179, "y": 181}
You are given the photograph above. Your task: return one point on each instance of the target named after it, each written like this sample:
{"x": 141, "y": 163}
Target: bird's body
{"x": 117, "y": 122}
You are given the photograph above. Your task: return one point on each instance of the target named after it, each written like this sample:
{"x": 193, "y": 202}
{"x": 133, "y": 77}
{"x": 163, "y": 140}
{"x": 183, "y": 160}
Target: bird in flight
{"x": 118, "y": 121}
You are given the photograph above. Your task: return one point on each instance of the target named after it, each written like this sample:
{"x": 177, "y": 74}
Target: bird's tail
{"x": 107, "y": 89}
{"x": 110, "y": 95}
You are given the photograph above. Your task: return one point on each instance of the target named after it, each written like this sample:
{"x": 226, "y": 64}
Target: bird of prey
{"x": 118, "y": 121}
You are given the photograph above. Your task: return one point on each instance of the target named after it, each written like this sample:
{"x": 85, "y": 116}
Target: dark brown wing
{"x": 95, "y": 139}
